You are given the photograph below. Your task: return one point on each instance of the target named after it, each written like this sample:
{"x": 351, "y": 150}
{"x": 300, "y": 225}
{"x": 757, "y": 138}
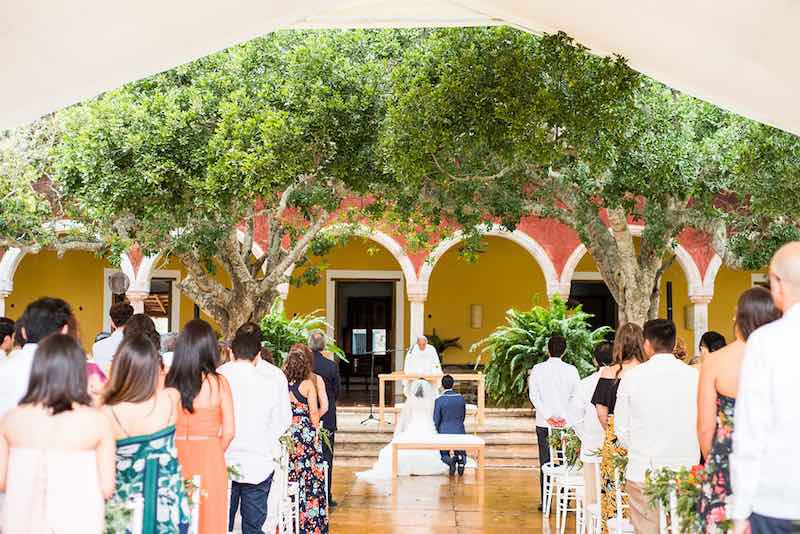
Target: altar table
{"x": 458, "y": 377}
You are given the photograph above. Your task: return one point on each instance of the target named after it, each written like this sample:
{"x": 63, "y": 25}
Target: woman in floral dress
{"x": 716, "y": 401}
{"x": 143, "y": 419}
{"x": 305, "y": 458}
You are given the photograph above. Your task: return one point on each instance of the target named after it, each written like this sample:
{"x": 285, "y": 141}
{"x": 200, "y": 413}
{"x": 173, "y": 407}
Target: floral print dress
{"x": 716, "y": 487}
{"x": 306, "y": 467}
{"x": 148, "y": 469}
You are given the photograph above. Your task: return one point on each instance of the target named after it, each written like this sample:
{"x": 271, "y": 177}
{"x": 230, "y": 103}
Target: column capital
{"x": 417, "y": 291}
{"x": 137, "y": 298}
{"x": 559, "y": 289}
{"x": 701, "y": 299}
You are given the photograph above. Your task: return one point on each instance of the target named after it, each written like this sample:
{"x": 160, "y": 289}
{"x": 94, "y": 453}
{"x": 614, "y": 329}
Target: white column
{"x": 417, "y": 295}
{"x": 3, "y": 296}
{"x": 559, "y": 289}
{"x": 417, "y": 313}
{"x": 699, "y": 316}
{"x": 137, "y": 298}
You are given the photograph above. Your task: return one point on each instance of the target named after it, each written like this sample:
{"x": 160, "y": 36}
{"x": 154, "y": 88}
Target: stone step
{"x": 498, "y": 412}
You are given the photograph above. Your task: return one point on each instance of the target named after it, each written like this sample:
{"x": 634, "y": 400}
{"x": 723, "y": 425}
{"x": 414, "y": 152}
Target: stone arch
{"x": 386, "y": 241}
{"x": 8, "y": 268}
{"x": 528, "y": 243}
{"x": 690, "y": 270}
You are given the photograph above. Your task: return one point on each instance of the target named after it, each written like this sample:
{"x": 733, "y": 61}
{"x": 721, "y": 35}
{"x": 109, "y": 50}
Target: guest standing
{"x": 716, "y": 399}
{"x": 655, "y": 418}
{"x": 305, "y": 459}
{"x": 57, "y": 452}
{"x": 582, "y": 417}
{"x": 103, "y": 351}
{"x": 261, "y": 420}
{"x": 710, "y": 342}
{"x": 205, "y": 425}
{"x": 40, "y": 319}
{"x": 6, "y": 337}
{"x": 143, "y": 418}
{"x": 449, "y": 412}
{"x": 550, "y": 385}
{"x": 628, "y": 352}
{"x": 328, "y": 369}
{"x": 764, "y": 467}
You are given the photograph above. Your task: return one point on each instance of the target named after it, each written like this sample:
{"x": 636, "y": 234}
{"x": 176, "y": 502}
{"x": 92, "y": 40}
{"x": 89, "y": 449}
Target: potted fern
{"x": 514, "y": 348}
{"x": 279, "y": 332}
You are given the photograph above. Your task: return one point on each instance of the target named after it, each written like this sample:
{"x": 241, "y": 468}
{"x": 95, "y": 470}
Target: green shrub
{"x": 514, "y": 348}
{"x": 279, "y": 333}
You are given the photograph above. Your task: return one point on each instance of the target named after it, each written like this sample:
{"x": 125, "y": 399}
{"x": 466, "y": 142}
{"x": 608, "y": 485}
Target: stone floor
{"x": 505, "y": 503}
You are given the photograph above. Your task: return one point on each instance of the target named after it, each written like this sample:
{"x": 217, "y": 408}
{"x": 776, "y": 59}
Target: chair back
{"x": 619, "y": 497}
{"x": 668, "y": 519}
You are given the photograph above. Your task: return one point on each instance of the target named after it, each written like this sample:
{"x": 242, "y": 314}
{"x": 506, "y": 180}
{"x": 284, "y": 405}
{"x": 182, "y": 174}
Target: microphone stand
{"x": 371, "y": 416}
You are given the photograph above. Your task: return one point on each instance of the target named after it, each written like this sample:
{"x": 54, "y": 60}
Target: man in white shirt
{"x": 550, "y": 385}
{"x": 6, "y": 336}
{"x": 40, "y": 319}
{"x": 103, "y": 351}
{"x": 422, "y": 359}
{"x": 262, "y": 416}
{"x": 582, "y": 417}
{"x": 655, "y": 418}
{"x": 765, "y": 473}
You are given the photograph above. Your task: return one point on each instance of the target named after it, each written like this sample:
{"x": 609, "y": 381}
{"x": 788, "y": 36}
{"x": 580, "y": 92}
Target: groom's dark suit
{"x": 449, "y": 412}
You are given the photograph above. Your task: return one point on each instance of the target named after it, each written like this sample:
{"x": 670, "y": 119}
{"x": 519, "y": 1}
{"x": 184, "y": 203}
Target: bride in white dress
{"x": 415, "y": 424}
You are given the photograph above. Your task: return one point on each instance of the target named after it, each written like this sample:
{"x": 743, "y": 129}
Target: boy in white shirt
{"x": 550, "y": 385}
{"x": 262, "y": 416}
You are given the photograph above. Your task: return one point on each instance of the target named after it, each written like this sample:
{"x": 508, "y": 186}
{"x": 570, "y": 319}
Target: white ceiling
{"x": 739, "y": 54}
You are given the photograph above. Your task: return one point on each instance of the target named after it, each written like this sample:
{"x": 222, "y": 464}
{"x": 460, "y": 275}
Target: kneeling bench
{"x": 444, "y": 442}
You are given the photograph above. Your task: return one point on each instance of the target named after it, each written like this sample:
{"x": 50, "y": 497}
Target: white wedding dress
{"x": 415, "y": 424}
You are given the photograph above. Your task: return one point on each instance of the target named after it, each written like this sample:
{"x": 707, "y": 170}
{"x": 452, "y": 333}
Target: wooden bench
{"x": 443, "y": 442}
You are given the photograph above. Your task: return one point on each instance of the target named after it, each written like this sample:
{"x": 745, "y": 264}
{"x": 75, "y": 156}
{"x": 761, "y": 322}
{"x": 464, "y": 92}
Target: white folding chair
{"x": 569, "y": 492}
{"x": 668, "y": 520}
{"x": 550, "y": 469}
{"x": 619, "y": 524}
{"x": 593, "y": 515}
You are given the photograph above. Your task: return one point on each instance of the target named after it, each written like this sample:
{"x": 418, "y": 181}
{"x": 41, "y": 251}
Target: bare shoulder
{"x": 608, "y": 372}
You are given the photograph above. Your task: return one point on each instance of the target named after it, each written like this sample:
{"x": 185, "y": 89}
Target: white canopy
{"x": 738, "y": 54}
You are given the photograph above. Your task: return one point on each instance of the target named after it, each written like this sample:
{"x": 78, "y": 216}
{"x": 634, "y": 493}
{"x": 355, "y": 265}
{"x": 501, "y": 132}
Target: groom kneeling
{"x": 449, "y": 413}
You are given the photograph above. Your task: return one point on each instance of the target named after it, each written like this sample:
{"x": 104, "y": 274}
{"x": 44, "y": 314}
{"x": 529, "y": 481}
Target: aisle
{"x": 505, "y": 504}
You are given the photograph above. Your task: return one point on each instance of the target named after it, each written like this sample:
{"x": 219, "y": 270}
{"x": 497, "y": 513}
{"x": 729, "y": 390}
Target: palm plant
{"x": 514, "y": 348}
{"x": 279, "y": 333}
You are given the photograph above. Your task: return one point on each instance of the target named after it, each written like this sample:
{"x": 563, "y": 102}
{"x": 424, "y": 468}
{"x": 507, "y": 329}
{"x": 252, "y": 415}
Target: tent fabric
{"x": 740, "y": 54}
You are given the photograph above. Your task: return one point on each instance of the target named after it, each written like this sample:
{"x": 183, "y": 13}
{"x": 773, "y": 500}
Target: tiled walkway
{"x": 504, "y": 504}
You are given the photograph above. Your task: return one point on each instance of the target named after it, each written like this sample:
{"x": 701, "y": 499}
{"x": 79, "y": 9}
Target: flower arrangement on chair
{"x": 687, "y": 485}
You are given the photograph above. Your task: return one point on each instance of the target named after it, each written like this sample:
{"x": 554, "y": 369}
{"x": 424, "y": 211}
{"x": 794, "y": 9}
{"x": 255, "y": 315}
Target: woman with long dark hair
{"x": 57, "y": 450}
{"x": 628, "y": 352}
{"x": 305, "y": 459}
{"x": 143, "y": 418}
{"x": 716, "y": 400}
{"x": 205, "y": 424}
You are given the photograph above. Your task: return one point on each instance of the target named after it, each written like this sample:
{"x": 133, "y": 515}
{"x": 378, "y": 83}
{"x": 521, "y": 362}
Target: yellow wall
{"x": 77, "y": 278}
{"x": 358, "y": 254}
{"x": 504, "y": 277}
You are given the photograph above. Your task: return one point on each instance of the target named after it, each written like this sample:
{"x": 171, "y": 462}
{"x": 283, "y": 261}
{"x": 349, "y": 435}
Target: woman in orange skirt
{"x": 205, "y": 426}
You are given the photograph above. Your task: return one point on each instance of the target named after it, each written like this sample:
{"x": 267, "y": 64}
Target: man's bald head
{"x": 422, "y": 342}
{"x": 784, "y": 275}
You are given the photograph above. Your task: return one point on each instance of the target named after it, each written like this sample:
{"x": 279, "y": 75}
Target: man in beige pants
{"x": 655, "y": 418}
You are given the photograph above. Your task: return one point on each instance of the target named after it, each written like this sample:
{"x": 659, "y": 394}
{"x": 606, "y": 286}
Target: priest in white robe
{"x": 422, "y": 359}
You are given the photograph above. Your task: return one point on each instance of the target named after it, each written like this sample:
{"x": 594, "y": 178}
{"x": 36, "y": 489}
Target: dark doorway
{"x": 365, "y": 328}
{"x": 595, "y": 298}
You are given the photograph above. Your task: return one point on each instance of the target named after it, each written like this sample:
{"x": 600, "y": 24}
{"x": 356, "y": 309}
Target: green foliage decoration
{"x": 279, "y": 332}
{"x": 442, "y": 344}
{"x": 514, "y": 348}
{"x": 687, "y": 487}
